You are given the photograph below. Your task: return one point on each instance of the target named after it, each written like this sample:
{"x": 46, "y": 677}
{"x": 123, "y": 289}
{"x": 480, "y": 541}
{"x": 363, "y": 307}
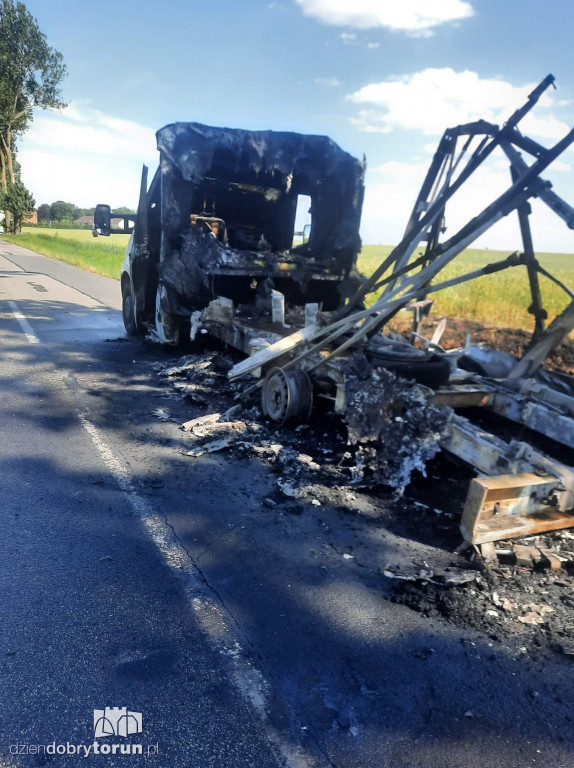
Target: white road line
{"x": 173, "y": 553}
{"x": 203, "y": 600}
{"x": 24, "y": 324}
{"x": 247, "y": 679}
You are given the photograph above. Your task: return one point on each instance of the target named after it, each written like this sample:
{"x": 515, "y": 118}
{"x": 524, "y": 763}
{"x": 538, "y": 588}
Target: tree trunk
{"x": 7, "y": 141}
{"x": 3, "y": 185}
{"x": 7, "y": 165}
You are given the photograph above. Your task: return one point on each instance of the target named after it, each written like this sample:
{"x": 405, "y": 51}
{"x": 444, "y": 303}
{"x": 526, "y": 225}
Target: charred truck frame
{"x": 219, "y": 218}
{"x": 212, "y": 247}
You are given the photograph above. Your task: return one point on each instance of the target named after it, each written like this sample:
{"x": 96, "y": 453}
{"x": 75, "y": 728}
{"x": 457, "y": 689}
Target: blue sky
{"x": 381, "y": 77}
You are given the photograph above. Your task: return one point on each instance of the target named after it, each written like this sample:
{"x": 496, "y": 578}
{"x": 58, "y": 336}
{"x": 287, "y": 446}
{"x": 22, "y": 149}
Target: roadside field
{"x": 500, "y": 300}
{"x": 79, "y": 247}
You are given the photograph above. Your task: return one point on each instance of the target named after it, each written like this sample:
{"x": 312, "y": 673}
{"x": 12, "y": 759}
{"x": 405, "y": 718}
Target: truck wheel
{"x": 287, "y": 396}
{"x": 171, "y": 327}
{"x": 132, "y": 328}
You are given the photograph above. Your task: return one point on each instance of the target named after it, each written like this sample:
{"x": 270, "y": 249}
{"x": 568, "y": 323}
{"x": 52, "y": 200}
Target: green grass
{"x": 501, "y": 299}
{"x": 103, "y": 255}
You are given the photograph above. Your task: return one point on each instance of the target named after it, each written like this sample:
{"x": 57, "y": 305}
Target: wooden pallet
{"x": 507, "y": 506}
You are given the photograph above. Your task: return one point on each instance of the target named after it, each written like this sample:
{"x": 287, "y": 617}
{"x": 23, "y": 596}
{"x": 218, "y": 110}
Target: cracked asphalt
{"x": 262, "y": 645}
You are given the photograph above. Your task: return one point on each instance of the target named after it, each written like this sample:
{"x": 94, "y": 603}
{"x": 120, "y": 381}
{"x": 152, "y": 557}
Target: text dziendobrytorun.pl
{"x": 97, "y": 748}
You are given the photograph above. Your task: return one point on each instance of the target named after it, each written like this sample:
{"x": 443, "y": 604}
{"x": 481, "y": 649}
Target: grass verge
{"x": 76, "y": 246}
{"x": 501, "y": 299}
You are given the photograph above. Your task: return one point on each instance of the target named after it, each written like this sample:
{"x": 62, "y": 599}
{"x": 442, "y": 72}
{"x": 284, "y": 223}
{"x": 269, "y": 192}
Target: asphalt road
{"x": 133, "y": 576}
{"x": 91, "y": 615}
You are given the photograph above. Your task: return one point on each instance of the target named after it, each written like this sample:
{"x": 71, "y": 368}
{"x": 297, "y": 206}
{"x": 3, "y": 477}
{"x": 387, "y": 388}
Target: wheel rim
{"x": 287, "y": 396}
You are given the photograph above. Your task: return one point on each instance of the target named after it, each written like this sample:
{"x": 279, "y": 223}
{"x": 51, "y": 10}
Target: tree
{"x": 30, "y": 76}
{"x": 61, "y": 210}
{"x": 43, "y": 212}
{"x": 83, "y": 212}
{"x": 123, "y": 209}
{"x": 19, "y": 202}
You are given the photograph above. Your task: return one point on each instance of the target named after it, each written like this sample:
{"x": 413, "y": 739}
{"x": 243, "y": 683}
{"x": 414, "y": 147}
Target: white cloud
{"x": 84, "y": 182}
{"x": 545, "y": 127}
{"x": 561, "y": 167}
{"x": 418, "y": 17}
{"x": 372, "y": 45}
{"x": 392, "y": 188}
{"x": 390, "y": 193}
{"x": 348, "y": 38}
{"x": 368, "y": 121}
{"x": 89, "y": 130}
{"x": 85, "y": 156}
{"x": 73, "y": 112}
{"x": 329, "y": 82}
{"x": 435, "y": 99}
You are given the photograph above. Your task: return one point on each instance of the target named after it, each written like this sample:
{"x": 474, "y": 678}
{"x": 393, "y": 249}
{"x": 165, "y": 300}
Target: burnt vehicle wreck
{"x": 213, "y": 250}
{"x": 218, "y": 220}
{"x": 354, "y": 357}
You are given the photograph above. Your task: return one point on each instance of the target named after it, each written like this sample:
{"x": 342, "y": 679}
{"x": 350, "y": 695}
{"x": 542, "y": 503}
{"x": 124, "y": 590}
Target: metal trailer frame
{"x": 519, "y": 489}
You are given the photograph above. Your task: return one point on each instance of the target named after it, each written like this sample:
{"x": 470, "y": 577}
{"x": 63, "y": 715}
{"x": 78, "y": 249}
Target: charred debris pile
{"x": 521, "y": 592}
{"x": 302, "y": 315}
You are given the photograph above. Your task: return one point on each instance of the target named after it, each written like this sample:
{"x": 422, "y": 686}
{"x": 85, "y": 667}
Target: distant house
{"x": 85, "y": 221}
{"x": 32, "y": 219}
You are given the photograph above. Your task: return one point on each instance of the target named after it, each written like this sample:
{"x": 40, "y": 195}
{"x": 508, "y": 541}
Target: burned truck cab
{"x": 219, "y": 220}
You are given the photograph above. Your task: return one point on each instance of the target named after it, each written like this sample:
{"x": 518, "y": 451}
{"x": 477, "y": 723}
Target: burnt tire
{"x": 433, "y": 371}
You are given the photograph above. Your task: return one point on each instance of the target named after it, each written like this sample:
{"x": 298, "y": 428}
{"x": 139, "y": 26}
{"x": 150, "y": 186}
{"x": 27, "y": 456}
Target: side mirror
{"x": 102, "y": 220}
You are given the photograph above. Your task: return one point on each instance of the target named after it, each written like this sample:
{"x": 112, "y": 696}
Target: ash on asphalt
{"x": 315, "y": 472}
{"x": 308, "y": 561}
